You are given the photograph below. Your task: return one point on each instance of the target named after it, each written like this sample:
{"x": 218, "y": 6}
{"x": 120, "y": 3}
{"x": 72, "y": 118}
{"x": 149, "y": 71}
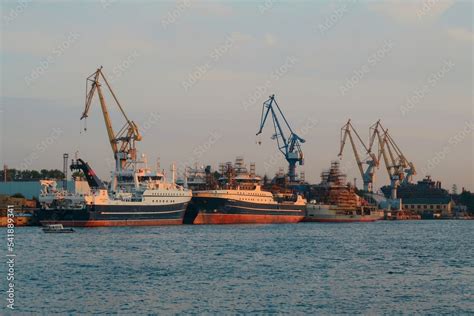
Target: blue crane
{"x": 289, "y": 146}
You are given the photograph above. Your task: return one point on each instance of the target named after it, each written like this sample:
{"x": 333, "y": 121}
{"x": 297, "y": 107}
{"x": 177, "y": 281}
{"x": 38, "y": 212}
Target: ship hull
{"x": 225, "y": 211}
{"x": 341, "y": 219}
{"x": 115, "y": 215}
{"x": 328, "y": 215}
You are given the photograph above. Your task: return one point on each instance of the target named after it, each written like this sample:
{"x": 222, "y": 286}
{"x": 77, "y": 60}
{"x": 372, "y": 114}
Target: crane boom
{"x": 372, "y": 161}
{"x": 289, "y": 146}
{"x": 123, "y": 142}
{"x": 399, "y": 169}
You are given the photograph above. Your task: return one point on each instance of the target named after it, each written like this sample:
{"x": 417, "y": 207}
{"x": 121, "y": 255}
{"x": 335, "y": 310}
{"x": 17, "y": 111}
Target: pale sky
{"x": 203, "y": 70}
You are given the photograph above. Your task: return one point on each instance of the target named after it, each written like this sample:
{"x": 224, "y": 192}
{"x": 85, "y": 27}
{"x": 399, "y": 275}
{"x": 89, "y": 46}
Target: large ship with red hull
{"x": 245, "y": 206}
{"x": 239, "y": 199}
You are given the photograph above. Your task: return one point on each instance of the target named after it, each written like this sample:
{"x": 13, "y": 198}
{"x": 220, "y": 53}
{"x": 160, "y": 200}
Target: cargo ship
{"x": 239, "y": 199}
{"x": 134, "y": 198}
{"x": 335, "y": 200}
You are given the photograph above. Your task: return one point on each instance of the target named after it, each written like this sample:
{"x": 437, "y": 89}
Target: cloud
{"x": 461, "y": 34}
{"x": 411, "y": 11}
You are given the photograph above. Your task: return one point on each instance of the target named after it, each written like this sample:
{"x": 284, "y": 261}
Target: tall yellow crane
{"x": 399, "y": 169}
{"x": 122, "y": 142}
{"x": 371, "y": 160}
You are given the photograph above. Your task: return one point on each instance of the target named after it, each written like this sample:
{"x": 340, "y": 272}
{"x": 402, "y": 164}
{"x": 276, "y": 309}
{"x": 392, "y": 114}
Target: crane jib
{"x": 123, "y": 142}
{"x": 289, "y": 146}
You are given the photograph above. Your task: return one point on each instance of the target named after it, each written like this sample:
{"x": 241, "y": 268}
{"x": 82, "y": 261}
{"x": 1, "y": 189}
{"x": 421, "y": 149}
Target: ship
{"x": 335, "y": 200}
{"x": 426, "y": 189}
{"x": 240, "y": 199}
{"x": 135, "y": 196}
{"x": 331, "y": 213}
{"x": 140, "y": 197}
{"x": 196, "y": 178}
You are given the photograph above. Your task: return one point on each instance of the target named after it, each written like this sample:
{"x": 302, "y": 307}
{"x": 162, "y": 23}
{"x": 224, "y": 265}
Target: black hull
{"x": 226, "y": 211}
{"x": 115, "y": 215}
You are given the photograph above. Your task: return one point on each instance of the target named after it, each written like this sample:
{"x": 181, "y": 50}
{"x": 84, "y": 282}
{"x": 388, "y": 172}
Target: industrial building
{"x": 441, "y": 206}
{"x": 32, "y": 189}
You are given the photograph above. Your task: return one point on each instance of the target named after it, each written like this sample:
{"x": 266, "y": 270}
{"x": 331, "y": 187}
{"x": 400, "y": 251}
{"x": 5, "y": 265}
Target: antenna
{"x": 173, "y": 172}
{"x": 65, "y": 163}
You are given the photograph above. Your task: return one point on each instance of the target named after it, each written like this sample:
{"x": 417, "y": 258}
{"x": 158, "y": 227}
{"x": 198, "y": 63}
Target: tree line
{"x": 31, "y": 175}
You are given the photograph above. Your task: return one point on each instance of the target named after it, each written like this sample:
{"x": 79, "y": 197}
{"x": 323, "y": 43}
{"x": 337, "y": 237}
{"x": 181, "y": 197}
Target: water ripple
{"x": 421, "y": 267}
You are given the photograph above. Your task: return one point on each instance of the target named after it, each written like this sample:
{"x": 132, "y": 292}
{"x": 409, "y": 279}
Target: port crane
{"x": 289, "y": 146}
{"x": 122, "y": 142}
{"x": 372, "y": 161}
{"x": 399, "y": 169}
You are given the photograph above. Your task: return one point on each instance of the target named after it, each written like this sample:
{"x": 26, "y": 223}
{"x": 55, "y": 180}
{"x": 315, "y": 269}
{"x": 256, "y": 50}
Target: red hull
{"x": 112, "y": 223}
{"x": 245, "y": 219}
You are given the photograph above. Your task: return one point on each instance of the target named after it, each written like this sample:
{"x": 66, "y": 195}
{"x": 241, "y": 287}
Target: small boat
{"x": 57, "y": 228}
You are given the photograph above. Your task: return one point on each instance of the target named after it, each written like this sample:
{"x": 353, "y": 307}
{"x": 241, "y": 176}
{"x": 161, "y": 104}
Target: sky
{"x": 194, "y": 74}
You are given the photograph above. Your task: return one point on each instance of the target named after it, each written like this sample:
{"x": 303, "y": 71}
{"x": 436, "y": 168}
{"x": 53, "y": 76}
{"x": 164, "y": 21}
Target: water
{"x": 389, "y": 267}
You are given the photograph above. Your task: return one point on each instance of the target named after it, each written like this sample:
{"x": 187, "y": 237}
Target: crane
{"x": 289, "y": 146}
{"x": 122, "y": 142}
{"x": 371, "y": 160}
{"x": 399, "y": 169}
